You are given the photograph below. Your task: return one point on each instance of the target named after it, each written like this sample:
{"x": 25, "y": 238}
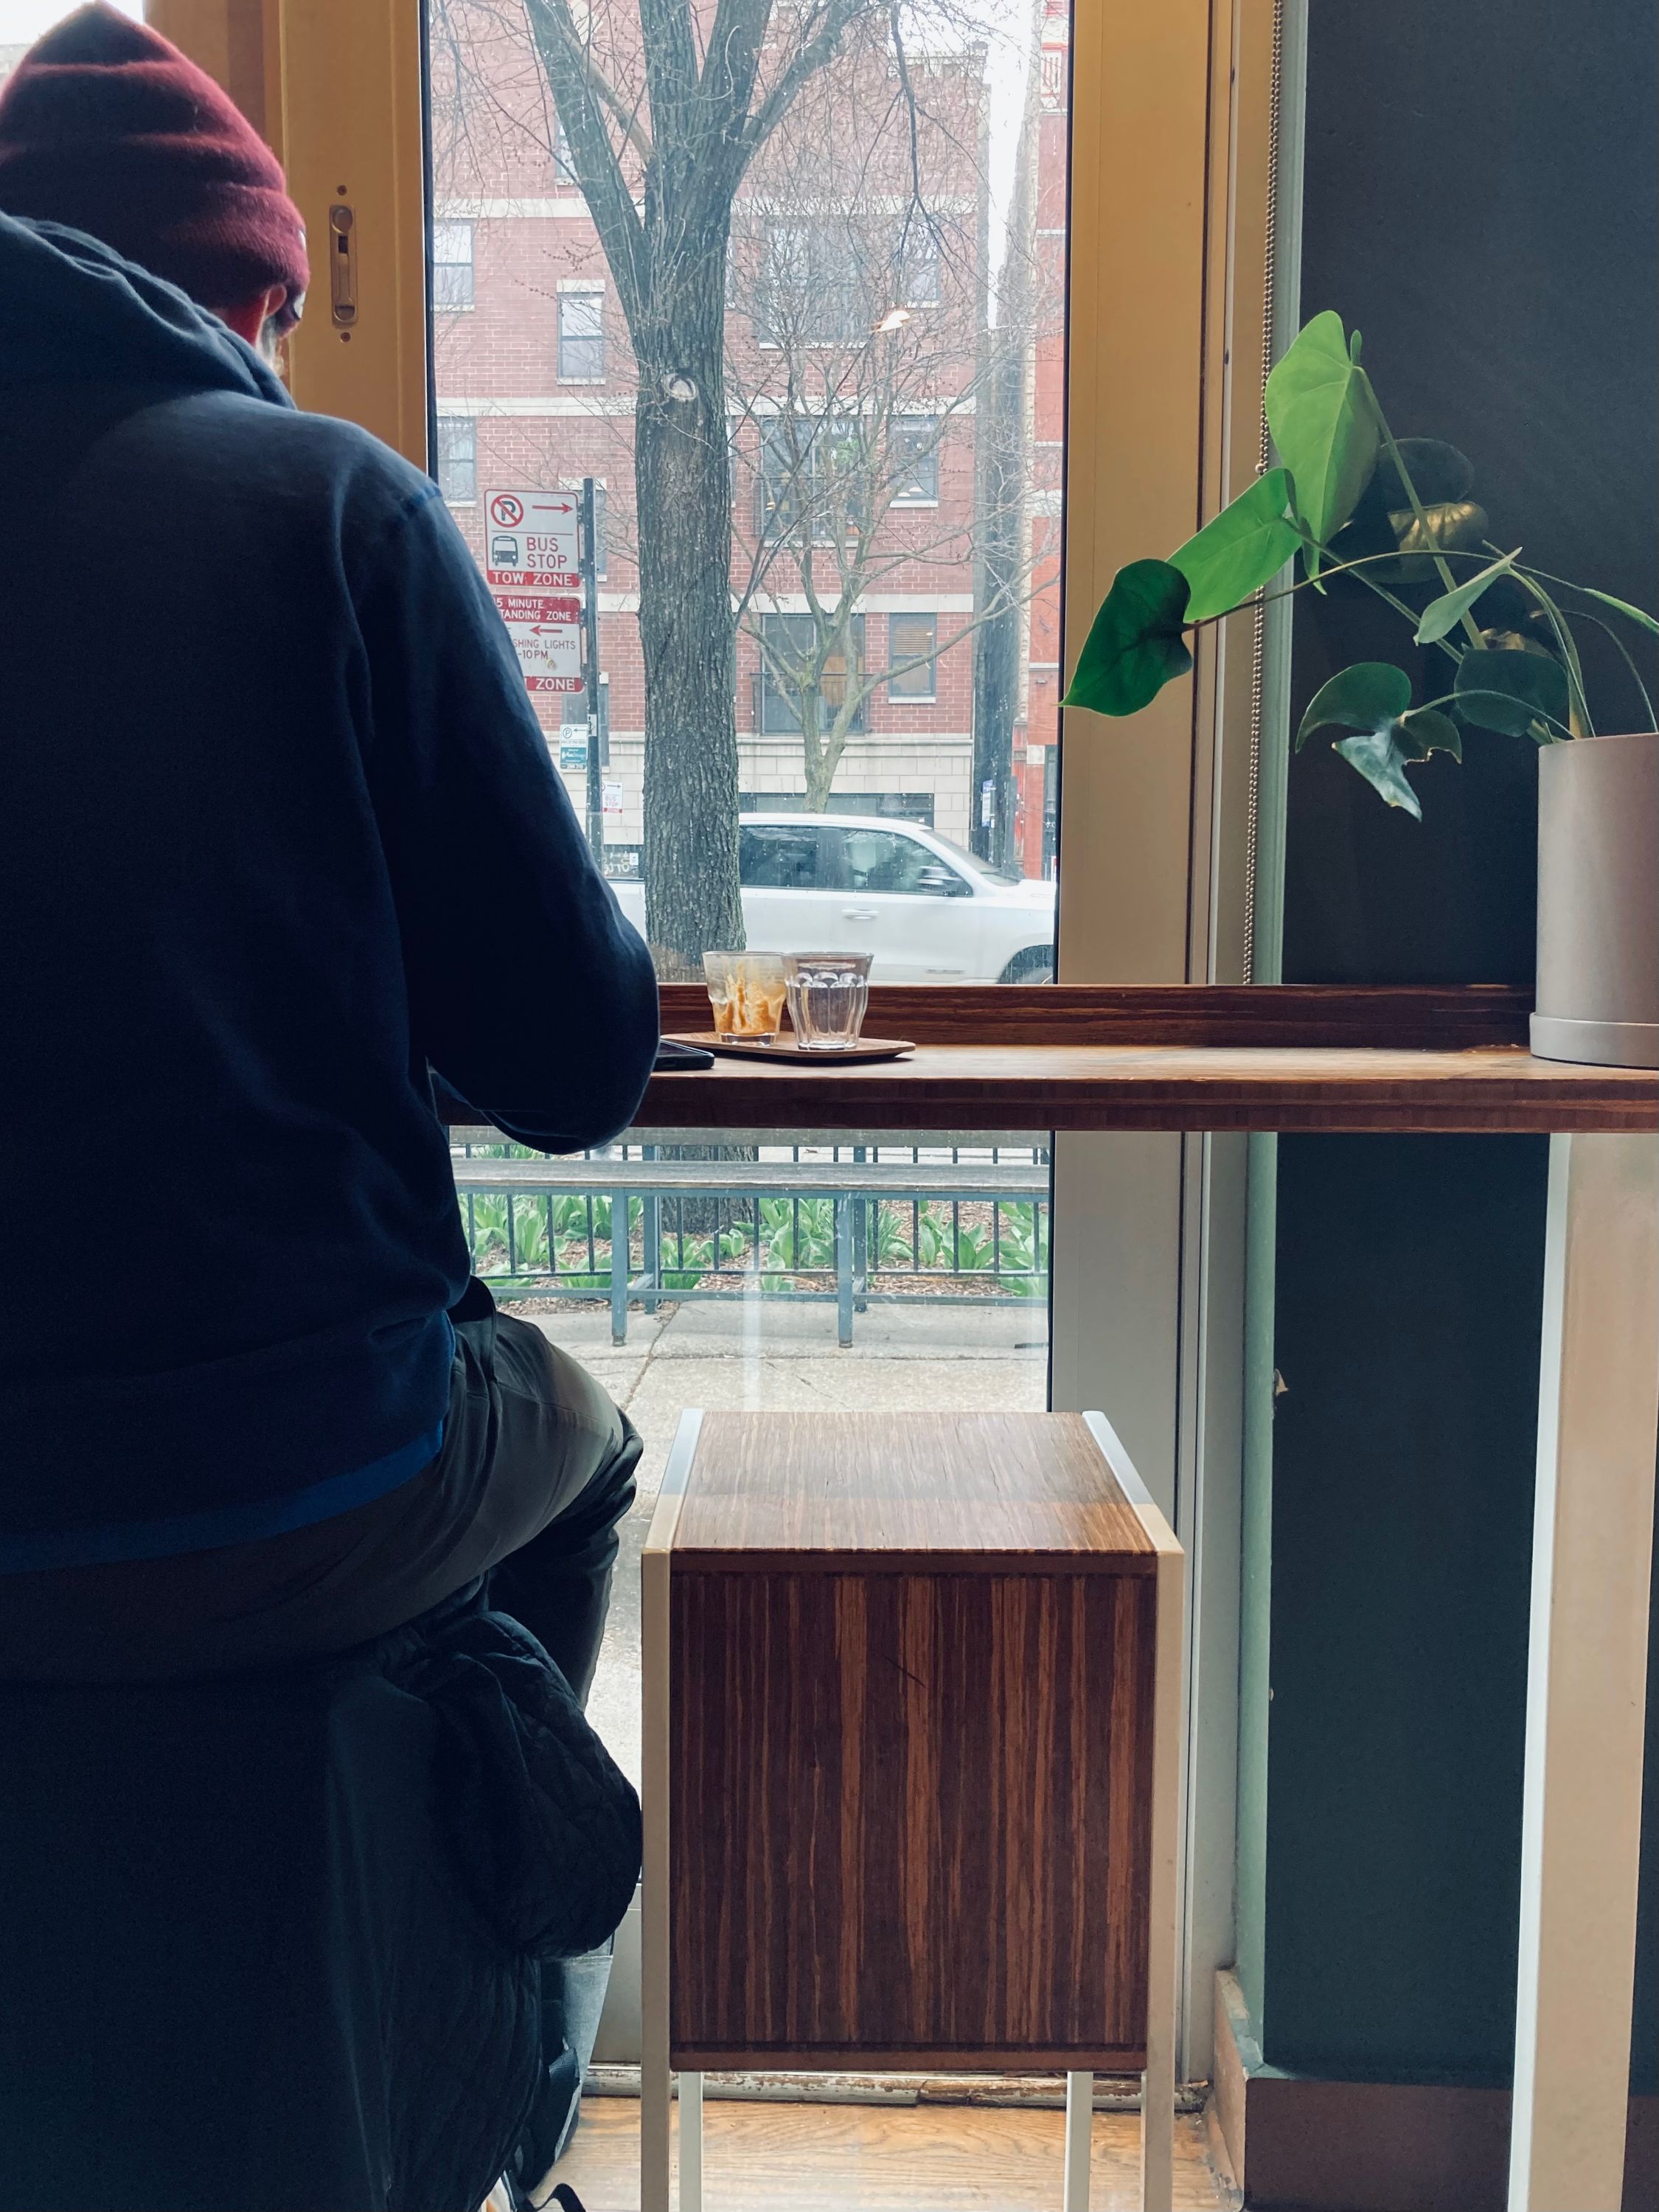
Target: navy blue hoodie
{"x": 278, "y": 835}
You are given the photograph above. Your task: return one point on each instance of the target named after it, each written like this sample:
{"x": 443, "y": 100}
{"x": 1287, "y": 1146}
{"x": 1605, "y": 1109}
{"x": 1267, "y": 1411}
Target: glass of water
{"x": 827, "y": 995}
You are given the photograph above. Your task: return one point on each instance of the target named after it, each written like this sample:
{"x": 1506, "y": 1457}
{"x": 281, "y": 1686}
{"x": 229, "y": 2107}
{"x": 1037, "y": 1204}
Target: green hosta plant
{"x": 1394, "y": 514}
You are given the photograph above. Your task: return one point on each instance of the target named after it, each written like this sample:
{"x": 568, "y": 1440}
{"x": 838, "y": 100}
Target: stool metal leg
{"x": 656, "y": 2081}
{"x": 690, "y": 2142}
{"x": 1079, "y": 2127}
{"x": 1158, "y": 2093}
{"x": 1157, "y": 2084}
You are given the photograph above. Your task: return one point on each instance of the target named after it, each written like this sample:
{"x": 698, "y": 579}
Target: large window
{"x": 867, "y": 532}
{"x": 964, "y": 519}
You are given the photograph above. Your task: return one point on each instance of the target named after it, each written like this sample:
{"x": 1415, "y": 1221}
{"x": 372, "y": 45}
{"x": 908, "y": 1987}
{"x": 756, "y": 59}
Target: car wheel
{"x": 1035, "y": 966}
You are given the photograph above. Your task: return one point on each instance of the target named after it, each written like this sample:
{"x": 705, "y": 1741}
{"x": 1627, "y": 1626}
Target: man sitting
{"x": 281, "y": 842}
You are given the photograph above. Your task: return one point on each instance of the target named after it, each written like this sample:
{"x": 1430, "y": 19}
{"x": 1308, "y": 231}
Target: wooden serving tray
{"x": 786, "y": 1048}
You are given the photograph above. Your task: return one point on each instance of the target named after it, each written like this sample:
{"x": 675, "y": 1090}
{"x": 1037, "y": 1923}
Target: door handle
{"x": 857, "y": 913}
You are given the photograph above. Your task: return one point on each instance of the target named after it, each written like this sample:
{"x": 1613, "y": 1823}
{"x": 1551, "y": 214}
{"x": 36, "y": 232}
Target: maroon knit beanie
{"x": 107, "y": 127}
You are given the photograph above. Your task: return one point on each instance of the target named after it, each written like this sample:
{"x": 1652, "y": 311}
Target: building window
{"x": 791, "y": 642}
{"x": 919, "y": 265}
{"x": 451, "y": 264}
{"x": 817, "y": 469}
{"x": 581, "y": 337}
{"x": 808, "y": 288}
{"x": 457, "y": 458}
{"x": 912, "y": 448}
{"x": 912, "y": 643}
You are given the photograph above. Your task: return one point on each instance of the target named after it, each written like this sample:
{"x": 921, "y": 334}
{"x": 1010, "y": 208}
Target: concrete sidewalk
{"x": 765, "y": 1353}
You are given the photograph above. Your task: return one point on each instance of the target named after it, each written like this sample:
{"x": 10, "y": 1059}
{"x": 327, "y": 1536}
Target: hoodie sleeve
{"x": 529, "y": 994}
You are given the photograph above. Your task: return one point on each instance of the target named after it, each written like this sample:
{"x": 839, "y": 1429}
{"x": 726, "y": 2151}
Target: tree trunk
{"x": 822, "y": 755}
{"x": 996, "y": 658}
{"x": 687, "y": 629}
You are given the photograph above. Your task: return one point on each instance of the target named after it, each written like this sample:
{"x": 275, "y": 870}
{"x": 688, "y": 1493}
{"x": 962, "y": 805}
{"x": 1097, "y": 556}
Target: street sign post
{"x": 590, "y": 565}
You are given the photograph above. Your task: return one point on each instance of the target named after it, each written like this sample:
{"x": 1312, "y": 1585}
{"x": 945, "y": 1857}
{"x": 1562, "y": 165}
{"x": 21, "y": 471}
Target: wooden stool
{"x": 912, "y": 1690}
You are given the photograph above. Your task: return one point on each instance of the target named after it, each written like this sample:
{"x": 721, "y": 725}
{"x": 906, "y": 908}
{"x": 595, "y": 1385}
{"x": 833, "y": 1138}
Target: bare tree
{"x": 665, "y": 106}
{"x": 859, "y": 362}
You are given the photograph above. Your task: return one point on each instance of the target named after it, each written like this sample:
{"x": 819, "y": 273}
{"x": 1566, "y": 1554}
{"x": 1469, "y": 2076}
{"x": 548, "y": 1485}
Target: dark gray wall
{"x": 1480, "y": 203}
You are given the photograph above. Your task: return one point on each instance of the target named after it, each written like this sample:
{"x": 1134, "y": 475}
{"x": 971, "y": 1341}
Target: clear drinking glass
{"x": 747, "y": 991}
{"x": 827, "y": 995}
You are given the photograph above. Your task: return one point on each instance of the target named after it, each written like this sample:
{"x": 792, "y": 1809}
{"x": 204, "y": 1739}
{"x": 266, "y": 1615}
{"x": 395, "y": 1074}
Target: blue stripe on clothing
{"x": 221, "y": 1525}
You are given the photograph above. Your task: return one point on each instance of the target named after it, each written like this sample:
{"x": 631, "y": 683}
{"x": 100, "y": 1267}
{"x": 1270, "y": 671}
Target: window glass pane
{"x": 458, "y": 474}
{"x": 831, "y": 413}
{"x": 771, "y": 858}
{"x": 913, "y": 461}
{"x": 887, "y": 860}
{"x": 581, "y": 337}
{"x": 918, "y": 256}
{"x": 451, "y": 264}
{"x": 808, "y": 678}
{"x": 935, "y": 1298}
{"x": 912, "y": 640}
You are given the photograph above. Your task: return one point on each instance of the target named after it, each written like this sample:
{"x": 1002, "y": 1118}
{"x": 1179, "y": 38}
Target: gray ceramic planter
{"x": 1598, "y": 901}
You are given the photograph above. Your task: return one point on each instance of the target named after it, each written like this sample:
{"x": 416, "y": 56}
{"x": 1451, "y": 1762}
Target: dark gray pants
{"x": 536, "y": 1471}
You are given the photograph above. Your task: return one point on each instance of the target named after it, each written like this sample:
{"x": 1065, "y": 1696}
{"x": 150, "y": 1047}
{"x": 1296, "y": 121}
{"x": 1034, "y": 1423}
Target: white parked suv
{"x": 925, "y": 911}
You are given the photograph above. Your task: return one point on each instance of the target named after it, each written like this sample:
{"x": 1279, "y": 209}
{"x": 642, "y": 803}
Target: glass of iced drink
{"x": 747, "y": 991}
{"x": 827, "y": 995}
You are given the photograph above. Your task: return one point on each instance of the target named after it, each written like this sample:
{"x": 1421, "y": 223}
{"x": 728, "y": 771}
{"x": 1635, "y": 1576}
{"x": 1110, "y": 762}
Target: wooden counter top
{"x": 1164, "y": 1086}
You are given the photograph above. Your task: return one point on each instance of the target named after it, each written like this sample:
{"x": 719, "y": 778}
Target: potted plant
{"x": 1395, "y": 516}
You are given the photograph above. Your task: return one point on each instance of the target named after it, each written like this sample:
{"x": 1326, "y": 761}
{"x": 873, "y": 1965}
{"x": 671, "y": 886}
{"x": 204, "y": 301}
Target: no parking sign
{"x": 531, "y": 539}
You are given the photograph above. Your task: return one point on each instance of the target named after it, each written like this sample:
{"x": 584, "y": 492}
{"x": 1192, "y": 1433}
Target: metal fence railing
{"x": 855, "y": 1223}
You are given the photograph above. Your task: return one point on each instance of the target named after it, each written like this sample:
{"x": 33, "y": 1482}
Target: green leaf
{"x": 1243, "y": 548}
{"x": 1135, "y": 645}
{"x": 1361, "y": 697}
{"x": 1424, "y": 731}
{"x": 1374, "y": 697}
{"x": 1620, "y": 606}
{"x": 1381, "y": 754}
{"x": 1320, "y": 411}
{"x": 1440, "y": 617}
{"x": 1514, "y": 693}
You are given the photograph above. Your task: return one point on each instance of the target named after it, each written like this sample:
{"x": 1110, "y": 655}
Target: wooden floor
{"x": 877, "y": 2158}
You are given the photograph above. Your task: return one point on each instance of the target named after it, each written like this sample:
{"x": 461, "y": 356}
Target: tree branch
{"x": 583, "y": 95}
{"x": 814, "y": 54}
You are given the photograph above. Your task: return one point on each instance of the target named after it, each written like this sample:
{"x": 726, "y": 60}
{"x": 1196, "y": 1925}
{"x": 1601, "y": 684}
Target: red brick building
{"x": 535, "y": 381}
